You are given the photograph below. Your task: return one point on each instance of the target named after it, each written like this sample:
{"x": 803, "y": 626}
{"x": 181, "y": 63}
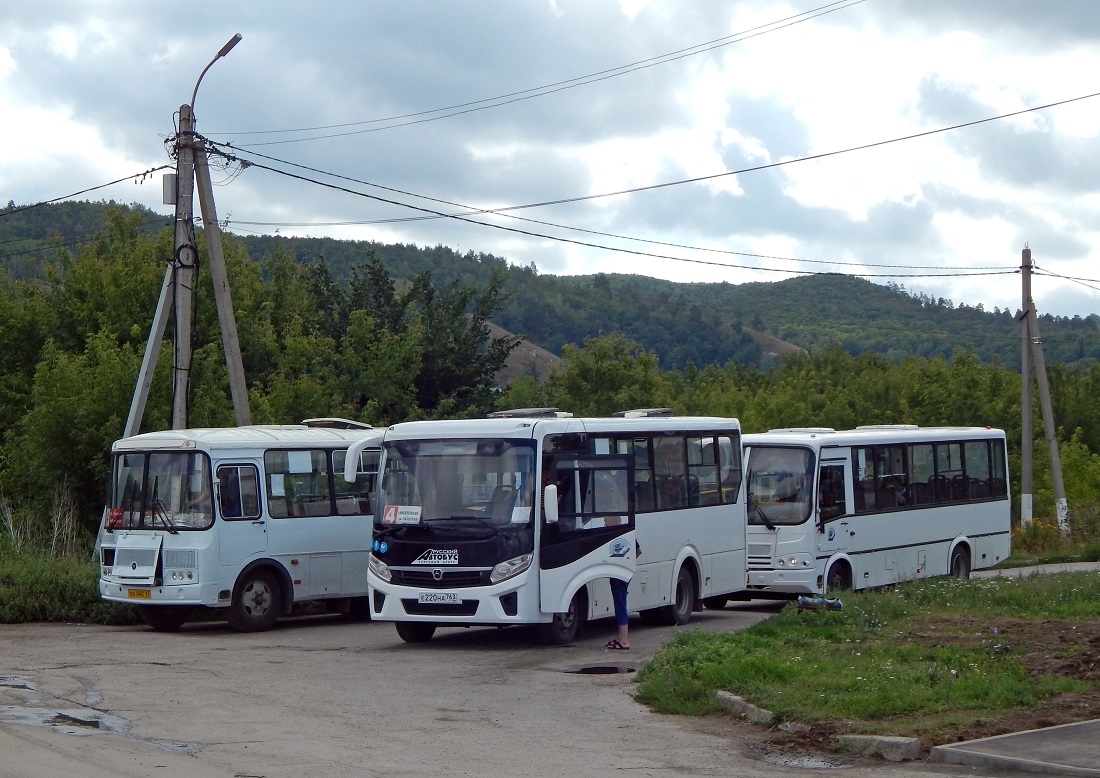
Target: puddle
{"x": 16, "y": 682}
{"x": 603, "y": 670}
{"x": 806, "y": 762}
{"x": 78, "y": 721}
{"x": 71, "y": 722}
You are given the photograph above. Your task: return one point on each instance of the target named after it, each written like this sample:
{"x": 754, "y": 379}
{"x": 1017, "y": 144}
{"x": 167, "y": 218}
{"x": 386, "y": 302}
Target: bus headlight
{"x": 511, "y": 568}
{"x": 379, "y": 568}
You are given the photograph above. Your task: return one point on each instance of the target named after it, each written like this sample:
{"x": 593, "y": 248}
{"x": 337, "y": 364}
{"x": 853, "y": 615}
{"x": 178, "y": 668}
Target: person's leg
{"x": 622, "y": 616}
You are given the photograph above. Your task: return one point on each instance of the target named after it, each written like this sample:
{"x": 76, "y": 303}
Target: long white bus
{"x": 831, "y": 510}
{"x": 247, "y": 520}
{"x": 524, "y": 519}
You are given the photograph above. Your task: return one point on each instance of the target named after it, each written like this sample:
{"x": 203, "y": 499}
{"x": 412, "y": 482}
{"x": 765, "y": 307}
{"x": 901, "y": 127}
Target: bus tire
{"x": 255, "y": 605}
{"x": 164, "y": 618}
{"x": 359, "y": 609}
{"x": 716, "y": 603}
{"x": 415, "y": 631}
{"x": 960, "y": 563}
{"x": 839, "y": 578}
{"x": 678, "y": 612}
{"x": 564, "y": 627}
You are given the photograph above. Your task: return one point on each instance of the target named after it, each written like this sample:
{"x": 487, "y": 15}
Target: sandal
{"x": 615, "y": 645}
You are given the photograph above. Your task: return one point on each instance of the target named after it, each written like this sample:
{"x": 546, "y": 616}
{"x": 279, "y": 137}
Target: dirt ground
{"x": 1047, "y": 648}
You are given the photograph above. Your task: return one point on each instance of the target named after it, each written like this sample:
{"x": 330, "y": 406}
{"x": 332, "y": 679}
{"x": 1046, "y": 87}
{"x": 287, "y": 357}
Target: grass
{"x": 36, "y": 585}
{"x": 925, "y": 656}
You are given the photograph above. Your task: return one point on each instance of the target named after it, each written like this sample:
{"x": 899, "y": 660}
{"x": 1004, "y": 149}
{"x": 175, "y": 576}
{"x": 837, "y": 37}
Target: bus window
{"x": 865, "y": 480}
{"x": 832, "y": 495}
{"x": 354, "y": 499}
{"x": 297, "y": 483}
{"x": 922, "y": 474}
{"x": 674, "y": 490}
{"x": 239, "y": 492}
{"x": 976, "y": 458}
{"x": 949, "y": 472}
{"x": 703, "y": 468}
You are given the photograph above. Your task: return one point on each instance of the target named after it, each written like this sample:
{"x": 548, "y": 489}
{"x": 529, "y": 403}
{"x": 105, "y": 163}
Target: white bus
{"x": 249, "y": 520}
{"x": 524, "y": 518}
{"x": 831, "y": 510}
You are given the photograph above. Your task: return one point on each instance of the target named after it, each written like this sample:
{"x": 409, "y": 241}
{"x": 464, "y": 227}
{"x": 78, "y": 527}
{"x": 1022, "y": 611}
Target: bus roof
{"x": 254, "y": 436}
{"x": 867, "y": 435}
{"x": 530, "y": 426}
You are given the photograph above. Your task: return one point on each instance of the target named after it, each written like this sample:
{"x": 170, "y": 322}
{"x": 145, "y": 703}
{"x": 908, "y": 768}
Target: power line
{"x": 507, "y": 209}
{"x": 559, "y": 86}
{"x": 587, "y": 244}
{"x": 140, "y": 176}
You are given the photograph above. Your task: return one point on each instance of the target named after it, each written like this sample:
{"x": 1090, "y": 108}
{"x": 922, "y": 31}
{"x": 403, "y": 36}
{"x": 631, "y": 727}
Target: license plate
{"x": 139, "y": 594}
{"x": 430, "y": 597}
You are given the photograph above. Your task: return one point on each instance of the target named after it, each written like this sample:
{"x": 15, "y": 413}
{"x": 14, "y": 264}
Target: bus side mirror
{"x": 550, "y": 503}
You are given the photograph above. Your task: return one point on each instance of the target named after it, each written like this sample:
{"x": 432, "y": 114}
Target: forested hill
{"x": 704, "y": 323}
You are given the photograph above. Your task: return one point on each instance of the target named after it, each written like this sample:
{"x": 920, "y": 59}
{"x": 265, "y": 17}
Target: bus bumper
{"x": 784, "y": 581}
{"x": 499, "y": 604}
{"x": 184, "y": 594}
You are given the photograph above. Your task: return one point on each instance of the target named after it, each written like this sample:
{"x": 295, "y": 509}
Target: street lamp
{"x": 228, "y": 47}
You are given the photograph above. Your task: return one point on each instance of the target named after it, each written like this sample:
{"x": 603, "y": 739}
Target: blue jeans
{"x": 618, "y": 595}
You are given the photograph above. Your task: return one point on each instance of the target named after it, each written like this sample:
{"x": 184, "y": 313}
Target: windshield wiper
{"x": 160, "y": 511}
{"x": 760, "y": 512}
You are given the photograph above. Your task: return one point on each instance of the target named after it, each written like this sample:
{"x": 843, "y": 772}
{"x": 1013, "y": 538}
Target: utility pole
{"x": 184, "y": 263}
{"x": 179, "y": 280}
{"x": 1031, "y": 330}
{"x": 1027, "y": 435}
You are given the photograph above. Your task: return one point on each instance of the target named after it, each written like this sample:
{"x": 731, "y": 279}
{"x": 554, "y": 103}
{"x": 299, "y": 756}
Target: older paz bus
{"x": 524, "y": 519}
{"x": 249, "y": 520}
{"x": 833, "y": 510}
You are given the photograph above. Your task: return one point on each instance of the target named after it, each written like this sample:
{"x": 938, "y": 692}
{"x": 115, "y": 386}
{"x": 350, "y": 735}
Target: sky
{"x": 704, "y": 141}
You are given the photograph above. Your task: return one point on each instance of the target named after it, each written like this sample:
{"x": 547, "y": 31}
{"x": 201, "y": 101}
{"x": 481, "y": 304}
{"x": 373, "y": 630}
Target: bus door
{"x": 587, "y": 529}
{"x": 242, "y": 528}
{"x": 834, "y": 500}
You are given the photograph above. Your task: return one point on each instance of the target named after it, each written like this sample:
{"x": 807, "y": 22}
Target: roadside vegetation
{"x": 940, "y": 659}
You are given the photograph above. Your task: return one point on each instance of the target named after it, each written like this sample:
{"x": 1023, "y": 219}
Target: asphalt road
{"x": 318, "y": 696}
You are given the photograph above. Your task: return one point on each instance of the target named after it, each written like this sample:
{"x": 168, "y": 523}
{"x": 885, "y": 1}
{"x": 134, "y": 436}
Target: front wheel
{"x": 563, "y": 628}
{"x": 164, "y": 618}
{"x": 716, "y": 603}
{"x": 839, "y": 578}
{"x": 960, "y": 564}
{"x": 255, "y": 604}
{"x": 415, "y": 631}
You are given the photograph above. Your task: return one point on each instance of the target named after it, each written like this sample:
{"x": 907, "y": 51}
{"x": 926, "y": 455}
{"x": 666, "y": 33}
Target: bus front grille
{"x": 447, "y": 579}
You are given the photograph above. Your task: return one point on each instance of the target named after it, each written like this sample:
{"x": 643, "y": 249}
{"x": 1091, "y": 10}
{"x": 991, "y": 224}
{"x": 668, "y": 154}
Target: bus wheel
{"x": 359, "y": 609}
{"x": 683, "y": 601}
{"x": 960, "y": 564}
{"x": 255, "y": 604}
{"x": 716, "y": 603}
{"x": 563, "y": 628}
{"x": 415, "y": 631}
{"x": 164, "y": 618}
{"x": 839, "y": 579}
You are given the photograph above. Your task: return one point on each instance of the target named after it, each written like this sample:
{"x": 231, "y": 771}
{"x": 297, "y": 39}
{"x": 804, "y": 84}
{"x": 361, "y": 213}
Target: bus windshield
{"x": 780, "y": 485}
{"x": 460, "y": 484}
{"x": 166, "y": 490}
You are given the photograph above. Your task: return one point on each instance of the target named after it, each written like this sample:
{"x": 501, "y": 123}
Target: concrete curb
{"x": 892, "y": 749}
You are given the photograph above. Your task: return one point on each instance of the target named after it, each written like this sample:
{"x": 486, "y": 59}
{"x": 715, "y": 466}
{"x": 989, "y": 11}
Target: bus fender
{"x": 582, "y": 579}
{"x": 843, "y": 558}
{"x": 286, "y": 585}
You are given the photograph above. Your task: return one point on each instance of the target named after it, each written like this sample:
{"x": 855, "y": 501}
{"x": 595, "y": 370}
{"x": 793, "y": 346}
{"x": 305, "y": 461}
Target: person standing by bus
{"x": 619, "y": 587}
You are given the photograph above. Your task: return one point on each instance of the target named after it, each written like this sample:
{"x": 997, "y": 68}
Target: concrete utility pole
{"x": 1031, "y": 331}
{"x": 179, "y": 280}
